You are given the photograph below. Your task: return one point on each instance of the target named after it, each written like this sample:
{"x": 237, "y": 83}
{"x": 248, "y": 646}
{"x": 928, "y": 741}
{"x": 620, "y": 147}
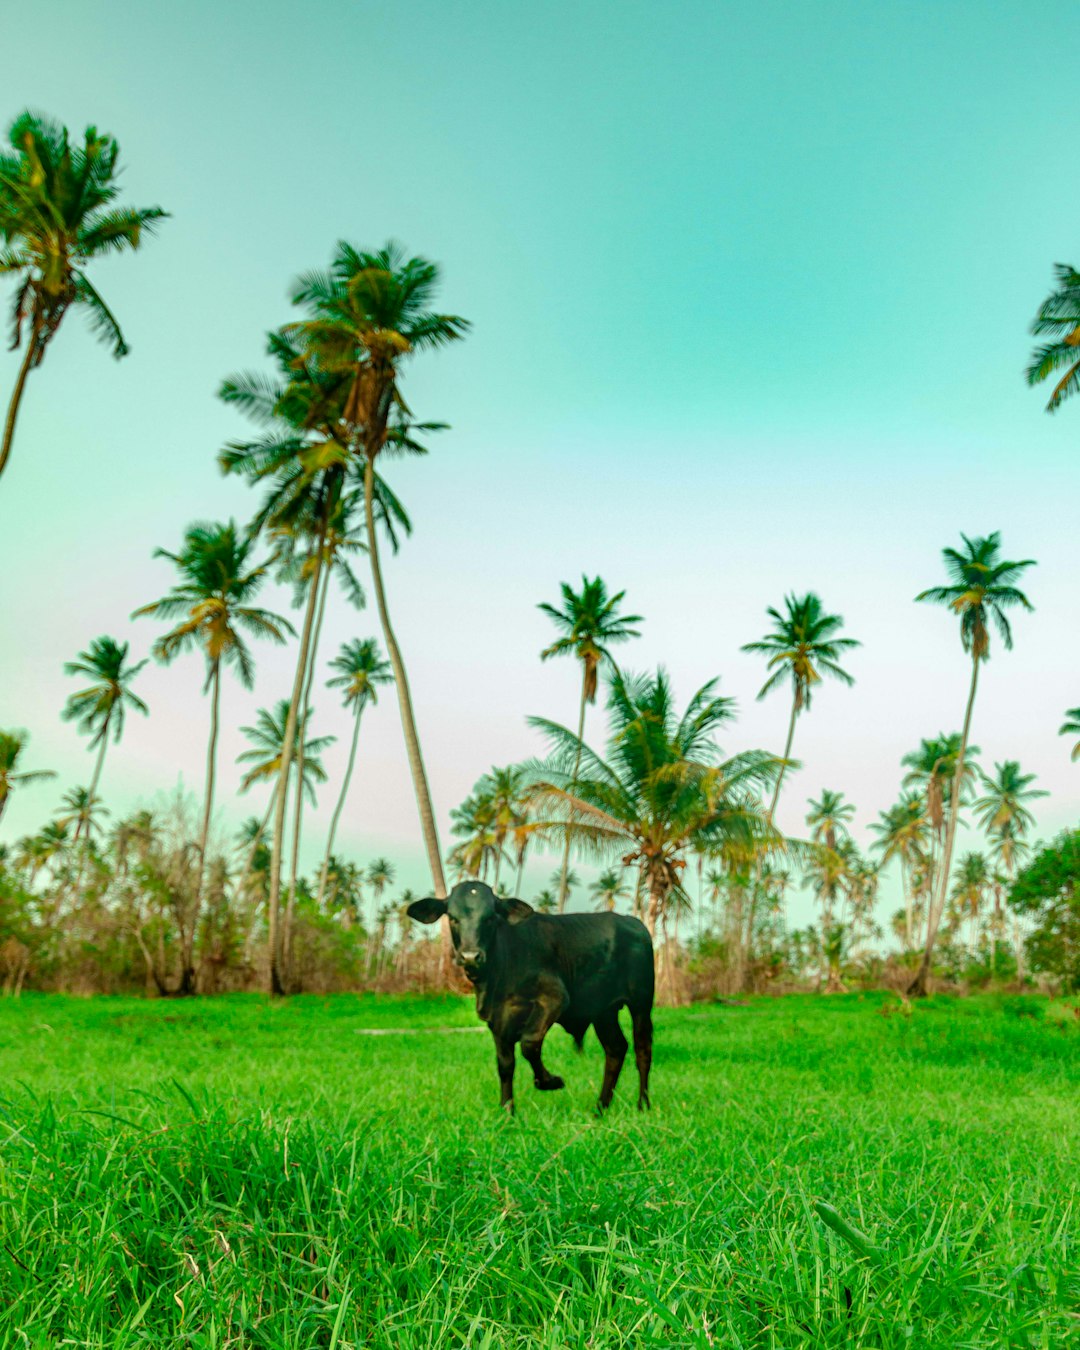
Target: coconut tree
{"x": 80, "y": 807}
{"x": 828, "y": 818}
{"x": 969, "y": 890}
{"x": 1003, "y": 813}
{"x": 99, "y": 708}
{"x": 803, "y": 648}
{"x": 589, "y": 624}
{"x": 1059, "y": 320}
{"x": 360, "y": 669}
{"x": 212, "y": 599}
{"x": 662, "y": 789}
{"x": 1002, "y": 808}
{"x": 58, "y": 213}
{"x": 366, "y": 316}
{"x": 609, "y": 888}
{"x": 1071, "y": 727}
{"x": 268, "y": 738}
{"x": 474, "y": 824}
{"x": 12, "y": 746}
{"x": 981, "y": 588}
{"x": 904, "y": 833}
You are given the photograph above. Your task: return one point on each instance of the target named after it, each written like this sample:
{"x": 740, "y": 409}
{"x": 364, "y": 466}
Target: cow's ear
{"x": 516, "y": 911}
{"x": 427, "y": 911}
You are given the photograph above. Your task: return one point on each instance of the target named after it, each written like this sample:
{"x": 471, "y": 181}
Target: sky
{"x": 750, "y": 288}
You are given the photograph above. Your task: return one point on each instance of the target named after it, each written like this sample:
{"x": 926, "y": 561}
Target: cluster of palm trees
{"x": 659, "y": 798}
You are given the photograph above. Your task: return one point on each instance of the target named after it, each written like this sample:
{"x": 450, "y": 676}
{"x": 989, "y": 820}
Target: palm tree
{"x": 589, "y": 623}
{"x": 1002, "y": 808}
{"x": 969, "y": 890}
{"x": 663, "y": 788}
{"x": 366, "y": 315}
{"x": 1003, "y": 813}
{"x": 361, "y": 670}
{"x": 828, "y": 818}
{"x": 903, "y": 833}
{"x": 212, "y": 599}
{"x": 1071, "y": 727}
{"x": 545, "y": 901}
{"x": 1059, "y": 319}
{"x": 980, "y": 589}
{"x": 81, "y": 809}
{"x": 12, "y": 745}
{"x": 608, "y": 889}
{"x": 57, "y": 214}
{"x": 100, "y": 707}
{"x": 803, "y": 647}
{"x": 474, "y": 824}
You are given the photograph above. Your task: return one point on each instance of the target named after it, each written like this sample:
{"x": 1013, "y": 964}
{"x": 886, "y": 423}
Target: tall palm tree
{"x": 803, "y": 647}
{"x": 1059, "y": 320}
{"x": 1071, "y": 727}
{"x": 308, "y": 511}
{"x": 903, "y": 833}
{"x": 589, "y": 624}
{"x": 980, "y": 589}
{"x": 57, "y": 214}
{"x": 969, "y": 891}
{"x": 662, "y": 790}
{"x": 212, "y": 600}
{"x": 828, "y": 818}
{"x": 366, "y": 315}
{"x": 100, "y": 707}
{"x": 360, "y": 671}
{"x": 12, "y": 745}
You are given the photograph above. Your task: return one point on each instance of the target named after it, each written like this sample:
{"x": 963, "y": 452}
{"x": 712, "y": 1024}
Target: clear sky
{"x": 750, "y": 287}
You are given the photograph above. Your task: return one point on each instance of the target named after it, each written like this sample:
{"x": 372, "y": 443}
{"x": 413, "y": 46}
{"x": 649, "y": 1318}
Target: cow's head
{"x": 475, "y": 914}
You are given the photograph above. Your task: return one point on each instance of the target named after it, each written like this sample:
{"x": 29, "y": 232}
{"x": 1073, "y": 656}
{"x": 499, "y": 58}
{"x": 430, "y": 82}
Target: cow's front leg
{"x": 550, "y": 1003}
{"x": 504, "y": 1057}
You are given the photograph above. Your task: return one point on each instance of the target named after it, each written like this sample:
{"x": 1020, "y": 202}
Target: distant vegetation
{"x": 683, "y": 831}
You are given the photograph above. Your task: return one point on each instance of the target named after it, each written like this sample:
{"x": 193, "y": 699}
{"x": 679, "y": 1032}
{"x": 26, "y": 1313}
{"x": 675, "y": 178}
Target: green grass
{"x": 230, "y": 1172}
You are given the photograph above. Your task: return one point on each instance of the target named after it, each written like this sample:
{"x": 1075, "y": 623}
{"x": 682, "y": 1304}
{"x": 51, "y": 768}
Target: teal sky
{"x": 750, "y": 287}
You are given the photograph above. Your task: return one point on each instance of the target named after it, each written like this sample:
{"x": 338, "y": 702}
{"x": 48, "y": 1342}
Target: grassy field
{"x": 231, "y": 1172}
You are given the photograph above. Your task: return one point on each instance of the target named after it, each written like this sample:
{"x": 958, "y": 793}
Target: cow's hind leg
{"x": 642, "y": 1019}
{"x": 546, "y": 1011}
{"x": 610, "y": 1036}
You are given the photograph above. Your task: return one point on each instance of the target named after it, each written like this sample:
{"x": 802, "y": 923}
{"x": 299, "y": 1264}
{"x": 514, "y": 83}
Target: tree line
{"x": 327, "y": 415}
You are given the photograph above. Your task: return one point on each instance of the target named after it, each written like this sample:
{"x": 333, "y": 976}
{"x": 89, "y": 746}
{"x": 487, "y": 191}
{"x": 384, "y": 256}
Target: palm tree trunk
{"x": 187, "y": 955}
{"x": 281, "y": 805}
{"x": 340, "y": 804}
{"x": 577, "y": 769}
{"x": 787, "y": 756}
{"x": 305, "y": 705}
{"x": 905, "y": 881}
{"x": 16, "y": 396}
{"x": 91, "y": 797}
{"x": 920, "y": 986}
{"x": 656, "y": 906}
{"x": 408, "y": 720}
{"x": 520, "y": 871}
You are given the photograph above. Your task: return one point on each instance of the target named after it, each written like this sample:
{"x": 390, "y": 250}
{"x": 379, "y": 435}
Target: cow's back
{"x": 604, "y": 960}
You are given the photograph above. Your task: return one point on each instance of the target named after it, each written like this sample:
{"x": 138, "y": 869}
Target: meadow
{"x": 247, "y": 1172}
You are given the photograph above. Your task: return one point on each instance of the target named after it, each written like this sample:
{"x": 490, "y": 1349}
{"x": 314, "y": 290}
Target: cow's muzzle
{"x": 471, "y": 960}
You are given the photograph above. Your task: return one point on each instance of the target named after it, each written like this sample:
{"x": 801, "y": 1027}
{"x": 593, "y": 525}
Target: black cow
{"x": 532, "y": 970}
